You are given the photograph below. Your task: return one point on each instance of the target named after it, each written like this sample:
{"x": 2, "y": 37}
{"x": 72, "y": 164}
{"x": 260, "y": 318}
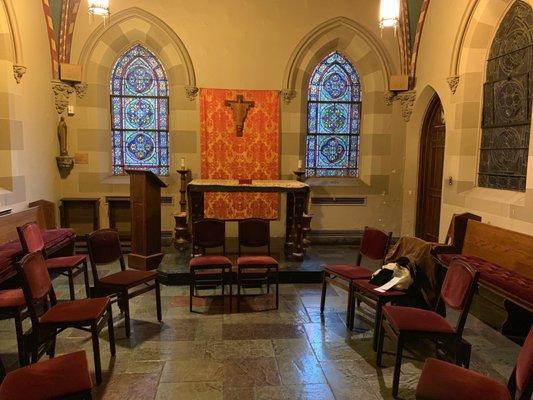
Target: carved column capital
{"x": 389, "y": 97}
{"x": 407, "y": 101}
{"x": 62, "y": 92}
{"x": 453, "y": 82}
{"x": 18, "y": 72}
{"x": 81, "y": 89}
{"x": 288, "y": 95}
{"x": 191, "y": 92}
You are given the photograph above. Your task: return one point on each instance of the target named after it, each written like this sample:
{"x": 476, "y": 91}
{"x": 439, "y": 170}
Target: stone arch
{"x": 11, "y": 46}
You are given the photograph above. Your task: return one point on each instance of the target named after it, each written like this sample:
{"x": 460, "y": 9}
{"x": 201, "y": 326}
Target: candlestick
{"x": 182, "y": 163}
{"x": 299, "y": 164}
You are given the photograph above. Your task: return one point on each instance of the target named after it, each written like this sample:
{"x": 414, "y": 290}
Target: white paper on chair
{"x": 388, "y": 285}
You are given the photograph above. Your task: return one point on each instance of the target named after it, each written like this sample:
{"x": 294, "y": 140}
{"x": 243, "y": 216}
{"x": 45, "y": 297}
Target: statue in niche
{"x": 62, "y": 136}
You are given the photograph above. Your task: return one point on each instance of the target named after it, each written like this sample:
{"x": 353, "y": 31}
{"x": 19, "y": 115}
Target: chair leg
{"x": 239, "y": 290}
{"x": 230, "y": 280}
{"x": 397, "y": 367}
{"x": 381, "y": 338}
{"x": 96, "y": 353}
{"x": 277, "y": 288}
{"x": 20, "y": 338}
{"x": 126, "y": 306}
{"x": 158, "y": 300}
{"x": 377, "y": 324}
{"x": 191, "y": 290}
{"x": 86, "y": 277}
{"x": 324, "y": 288}
{"x": 350, "y": 307}
{"x": 52, "y": 349}
{"x": 71, "y": 285}
{"x": 111, "y": 331}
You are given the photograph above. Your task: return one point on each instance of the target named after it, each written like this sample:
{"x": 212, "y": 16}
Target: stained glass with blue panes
{"x": 333, "y": 119}
{"x": 139, "y": 113}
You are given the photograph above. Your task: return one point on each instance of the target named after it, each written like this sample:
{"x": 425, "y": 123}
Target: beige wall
{"x": 456, "y": 42}
{"x": 248, "y": 45}
{"x": 28, "y": 142}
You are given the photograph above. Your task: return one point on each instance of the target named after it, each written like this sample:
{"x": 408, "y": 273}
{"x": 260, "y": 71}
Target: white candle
{"x": 182, "y": 162}
{"x": 299, "y": 164}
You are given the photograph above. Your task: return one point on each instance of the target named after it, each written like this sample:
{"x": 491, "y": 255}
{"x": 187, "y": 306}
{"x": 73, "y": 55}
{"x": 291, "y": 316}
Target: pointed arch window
{"x": 333, "y": 119}
{"x": 139, "y": 113}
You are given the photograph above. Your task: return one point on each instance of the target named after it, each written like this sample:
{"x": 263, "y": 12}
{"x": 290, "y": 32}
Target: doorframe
{"x": 433, "y": 104}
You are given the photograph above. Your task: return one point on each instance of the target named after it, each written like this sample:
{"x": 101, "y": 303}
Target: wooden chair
{"x": 256, "y": 269}
{"x": 104, "y": 248}
{"x": 374, "y": 246}
{"x": 208, "y": 271}
{"x": 61, "y": 378}
{"x": 439, "y": 379}
{"x": 403, "y": 324}
{"x": 12, "y": 305}
{"x": 50, "y": 317}
{"x": 70, "y": 266}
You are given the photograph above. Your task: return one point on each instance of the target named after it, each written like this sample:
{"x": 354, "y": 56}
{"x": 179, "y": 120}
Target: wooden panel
{"x": 9, "y": 223}
{"x": 48, "y": 209}
{"x": 506, "y": 248}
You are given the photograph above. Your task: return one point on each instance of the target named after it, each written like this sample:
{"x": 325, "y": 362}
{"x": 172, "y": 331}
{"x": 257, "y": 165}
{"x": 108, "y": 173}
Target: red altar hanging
{"x": 254, "y": 155}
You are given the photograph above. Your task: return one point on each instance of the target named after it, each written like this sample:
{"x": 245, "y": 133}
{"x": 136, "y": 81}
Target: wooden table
{"x": 297, "y": 195}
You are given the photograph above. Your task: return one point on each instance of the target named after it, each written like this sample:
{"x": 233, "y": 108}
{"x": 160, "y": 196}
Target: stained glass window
{"x": 139, "y": 113}
{"x": 333, "y": 119}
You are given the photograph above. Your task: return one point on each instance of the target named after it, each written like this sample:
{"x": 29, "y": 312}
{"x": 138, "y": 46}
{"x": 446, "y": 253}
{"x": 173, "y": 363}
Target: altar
{"x": 297, "y": 196}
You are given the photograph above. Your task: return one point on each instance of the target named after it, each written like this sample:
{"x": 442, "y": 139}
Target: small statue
{"x": 62, "y": 136}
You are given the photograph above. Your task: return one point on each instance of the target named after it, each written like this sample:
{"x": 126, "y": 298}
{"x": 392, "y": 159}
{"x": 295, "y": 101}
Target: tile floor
{"x": 292, "y": 353}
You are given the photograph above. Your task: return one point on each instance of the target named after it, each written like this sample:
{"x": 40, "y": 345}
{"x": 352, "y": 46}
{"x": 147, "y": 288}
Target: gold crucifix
{"x": 240, "y": 111}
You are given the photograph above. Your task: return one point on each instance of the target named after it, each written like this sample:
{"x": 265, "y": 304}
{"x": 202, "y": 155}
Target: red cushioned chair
{"x": 50, "y": 317}
{"x": 444, "y": 381}
{"x": 61, "y": 378}
{"x": 12, "y": 305}
{"x": 374, "y": 246}
{"x": 104, "y": 248}
{"x": 408, "y": 323}
{"x": 256, "y": 269}
{"x": 32, "y": 240}
{"x": 208, "y": 271}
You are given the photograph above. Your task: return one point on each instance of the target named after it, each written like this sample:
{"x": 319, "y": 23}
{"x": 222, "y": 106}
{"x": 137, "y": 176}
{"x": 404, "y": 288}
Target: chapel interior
{"x": 266, "y": 199}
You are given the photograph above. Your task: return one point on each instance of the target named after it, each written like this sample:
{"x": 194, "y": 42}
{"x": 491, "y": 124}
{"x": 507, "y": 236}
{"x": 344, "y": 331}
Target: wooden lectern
{"x": 145, "y": 206}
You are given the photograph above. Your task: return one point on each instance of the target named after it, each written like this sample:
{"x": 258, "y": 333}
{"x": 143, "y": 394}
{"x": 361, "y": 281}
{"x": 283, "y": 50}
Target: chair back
{"x": 208, "y": 233}
{"x": 521, "y": 381}
{"x": 31, "y": 237}
{"x": 458, "y": 290}
{"x": 254, "y": 232}
{"x": 104, "y": 247}
{"x": 457, "y": 228}
{"x": 36, "y": 284}
{"x": 374, "y": 245}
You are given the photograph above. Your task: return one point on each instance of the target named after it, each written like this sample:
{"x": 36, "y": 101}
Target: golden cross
{"x": 240, "y": 111}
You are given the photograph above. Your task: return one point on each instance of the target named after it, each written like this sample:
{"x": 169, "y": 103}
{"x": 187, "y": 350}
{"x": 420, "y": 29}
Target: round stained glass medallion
{"x": 335, "y": 85}
{"x": 140, "y": 113}
{"x": 333, "y": 150}
{"x": 141, "y": 146}
{"x": 139, "y": 79}
{"x": 334, "y": 118}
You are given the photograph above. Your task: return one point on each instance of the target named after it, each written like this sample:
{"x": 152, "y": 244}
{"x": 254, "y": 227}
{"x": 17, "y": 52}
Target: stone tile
{"x": 224, "y": 349}
{"x": 247, "y": 372}
{"x": 300, "y": 392}
{"x": 190, "y": 390}
{"x": 292, "y": 347}
{"x": 128, "y": 387}
{"x": 195, "y": 370}
{"x": 261, "y": 331}
{"x": 300, "y": 370}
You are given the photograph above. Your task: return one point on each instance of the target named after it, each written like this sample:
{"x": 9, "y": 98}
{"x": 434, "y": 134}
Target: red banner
{"x": 225, "y": 155}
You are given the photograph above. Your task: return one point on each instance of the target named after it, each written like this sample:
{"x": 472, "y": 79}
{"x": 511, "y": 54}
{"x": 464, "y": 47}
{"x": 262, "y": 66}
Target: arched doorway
{"x": 430, "y": 172}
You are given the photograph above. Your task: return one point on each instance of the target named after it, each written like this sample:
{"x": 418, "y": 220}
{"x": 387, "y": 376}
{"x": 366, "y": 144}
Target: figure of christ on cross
{"x": 240, "y": 111}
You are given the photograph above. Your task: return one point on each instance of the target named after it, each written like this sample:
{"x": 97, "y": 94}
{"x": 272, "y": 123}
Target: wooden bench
{"x": 58, "y": 242}
{"x": 505, "y": 261}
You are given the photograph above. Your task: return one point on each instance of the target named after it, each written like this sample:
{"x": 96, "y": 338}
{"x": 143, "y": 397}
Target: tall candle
{"x": 182, "y": 162}
{"x": 299, "y": 164}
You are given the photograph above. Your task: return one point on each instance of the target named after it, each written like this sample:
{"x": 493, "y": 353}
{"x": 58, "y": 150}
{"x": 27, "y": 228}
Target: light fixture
{"x": 389, "y": 14}
{"x": 98, "y": 7}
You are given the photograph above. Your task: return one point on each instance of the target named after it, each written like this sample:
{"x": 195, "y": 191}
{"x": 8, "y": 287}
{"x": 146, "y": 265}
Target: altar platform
{"x": 174, "y": 268}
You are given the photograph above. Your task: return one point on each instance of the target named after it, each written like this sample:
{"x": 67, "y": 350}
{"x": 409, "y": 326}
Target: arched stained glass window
{"x": 139, "y": 113}
{"x": 333, "y": 119}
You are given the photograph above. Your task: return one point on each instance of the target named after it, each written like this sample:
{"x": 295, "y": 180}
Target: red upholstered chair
{"x": 208, "y": 271}
{"x": 444, "y": 381}
{"x": 256, "y": 269}
{"x": 50, "y": 317}
{"x": 104, "y": 248}
{"x": 32, "y": 240}
{"x": 64, "y": 377}
{"x": 12, "y": 305}
{"x": 374, "y": 246}
{"x": 408, "y": 323}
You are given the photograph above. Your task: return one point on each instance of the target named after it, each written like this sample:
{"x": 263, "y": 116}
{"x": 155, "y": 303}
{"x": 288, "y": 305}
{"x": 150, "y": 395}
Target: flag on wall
{"x": 254, "y": 155}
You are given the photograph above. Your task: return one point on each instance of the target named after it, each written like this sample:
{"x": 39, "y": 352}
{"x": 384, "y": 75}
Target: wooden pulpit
{"x": 145, "y": 206}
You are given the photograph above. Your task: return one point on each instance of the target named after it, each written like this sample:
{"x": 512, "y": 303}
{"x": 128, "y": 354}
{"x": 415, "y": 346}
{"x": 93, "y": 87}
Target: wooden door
{"x": 430, "y": 172}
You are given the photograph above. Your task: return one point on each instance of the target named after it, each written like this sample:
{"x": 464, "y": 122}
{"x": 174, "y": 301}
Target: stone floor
{"x": 292, "y": 353}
